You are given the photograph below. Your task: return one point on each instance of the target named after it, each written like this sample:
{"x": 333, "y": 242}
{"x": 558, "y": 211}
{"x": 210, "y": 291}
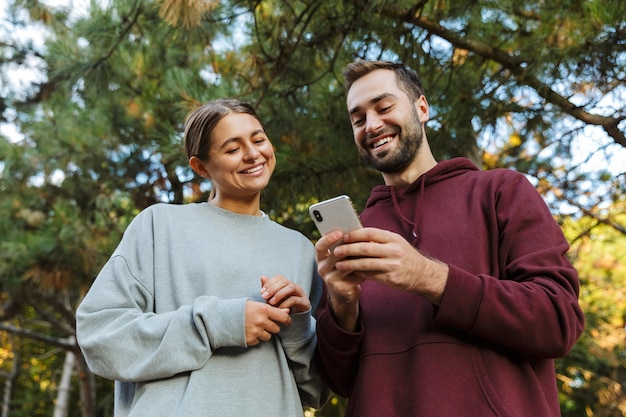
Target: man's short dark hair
{"x": 407, "y": 79}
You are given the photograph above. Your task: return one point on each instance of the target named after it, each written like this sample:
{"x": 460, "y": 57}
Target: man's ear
{"x": 198, "y": 167}
{"x": 423, "y": 109}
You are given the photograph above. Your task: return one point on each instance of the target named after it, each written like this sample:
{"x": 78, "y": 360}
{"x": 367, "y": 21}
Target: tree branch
{"x": 606, "y": 220}
{"x": 516, "y": 66}
{"x": 55, "y": 341}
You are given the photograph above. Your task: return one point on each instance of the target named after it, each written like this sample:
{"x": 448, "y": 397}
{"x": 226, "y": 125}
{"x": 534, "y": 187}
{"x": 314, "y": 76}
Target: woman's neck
{"x": 251, "y": 207}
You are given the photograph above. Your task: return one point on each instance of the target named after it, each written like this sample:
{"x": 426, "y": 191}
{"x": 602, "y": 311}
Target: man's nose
{"x": 373, "y": 124}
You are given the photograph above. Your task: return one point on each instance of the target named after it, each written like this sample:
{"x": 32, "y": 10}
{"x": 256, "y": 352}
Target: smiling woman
{"x": 240, "y": 159}
{"x": 207, "y": 288}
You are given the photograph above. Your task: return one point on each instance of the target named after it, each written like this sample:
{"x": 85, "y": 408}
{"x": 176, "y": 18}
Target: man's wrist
{"x": 439, "y": 278}
{"x": 346, "y": 315}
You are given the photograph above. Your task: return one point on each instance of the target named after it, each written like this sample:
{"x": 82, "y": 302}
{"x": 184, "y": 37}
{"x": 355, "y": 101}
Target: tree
{"x": 511, "y": 85}
{"x": 592, "y": 377}
{"x": 88, "y": 162}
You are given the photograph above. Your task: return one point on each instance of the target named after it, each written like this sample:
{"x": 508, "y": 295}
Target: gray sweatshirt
{"x": 165, "y": 317}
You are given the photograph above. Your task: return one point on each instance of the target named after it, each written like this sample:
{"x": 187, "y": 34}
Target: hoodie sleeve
{"x": 535, "y": 294}
{"x": 121, "y": 336}
{"x": 338, "y": 353}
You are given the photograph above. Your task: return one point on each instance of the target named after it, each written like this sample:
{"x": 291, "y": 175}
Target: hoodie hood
{"x": 407, "y": 202}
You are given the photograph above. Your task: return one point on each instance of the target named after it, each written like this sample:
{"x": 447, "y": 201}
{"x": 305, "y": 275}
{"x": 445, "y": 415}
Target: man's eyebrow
{"x": 372, "y": 101}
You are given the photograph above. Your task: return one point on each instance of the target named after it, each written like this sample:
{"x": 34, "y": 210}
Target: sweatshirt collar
{"x": 441, "y": 171}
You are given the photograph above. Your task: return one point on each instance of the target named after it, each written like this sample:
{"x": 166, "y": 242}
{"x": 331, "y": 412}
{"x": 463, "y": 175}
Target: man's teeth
{"x": 380, "y": 142}
{"x": 253, "y": 169}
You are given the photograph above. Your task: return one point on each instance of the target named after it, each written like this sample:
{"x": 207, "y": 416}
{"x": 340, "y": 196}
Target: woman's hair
{"x": 407, "y": 79}
{"x": 201, "y": 122}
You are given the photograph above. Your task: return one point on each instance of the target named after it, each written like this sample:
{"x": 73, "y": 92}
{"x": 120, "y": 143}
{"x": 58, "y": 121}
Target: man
{"x": 456, "y": 296}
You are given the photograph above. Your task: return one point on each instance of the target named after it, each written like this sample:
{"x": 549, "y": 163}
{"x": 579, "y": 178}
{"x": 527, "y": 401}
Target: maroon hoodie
{"x": 510, "y": 305}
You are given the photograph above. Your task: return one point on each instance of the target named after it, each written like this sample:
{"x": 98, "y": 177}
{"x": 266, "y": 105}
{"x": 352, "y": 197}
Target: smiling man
{"x": 457, "y": 295}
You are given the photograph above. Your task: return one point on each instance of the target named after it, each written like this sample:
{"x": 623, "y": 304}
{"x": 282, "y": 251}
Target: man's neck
{"x": 424, "y": 161}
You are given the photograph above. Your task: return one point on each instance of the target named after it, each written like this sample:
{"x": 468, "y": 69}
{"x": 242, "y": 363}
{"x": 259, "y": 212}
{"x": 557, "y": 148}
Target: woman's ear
{"x": 198, "y": 167}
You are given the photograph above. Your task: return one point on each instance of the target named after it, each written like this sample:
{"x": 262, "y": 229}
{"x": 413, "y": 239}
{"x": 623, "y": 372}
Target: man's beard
{"x": 410, "y": 137}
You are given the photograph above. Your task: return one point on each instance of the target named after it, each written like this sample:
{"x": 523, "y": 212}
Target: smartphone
{"x": 338, "y": 213}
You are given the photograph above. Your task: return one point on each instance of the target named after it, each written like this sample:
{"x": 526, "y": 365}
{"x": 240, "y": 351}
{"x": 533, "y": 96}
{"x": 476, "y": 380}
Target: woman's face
{"x": 241, "y": 157}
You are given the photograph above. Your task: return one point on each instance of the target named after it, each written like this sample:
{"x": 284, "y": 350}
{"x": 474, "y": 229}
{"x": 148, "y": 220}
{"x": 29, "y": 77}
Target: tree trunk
{"x": 8, "y": 384}
{"x": 86, "y": 385}
{"x": 65, "y": 386}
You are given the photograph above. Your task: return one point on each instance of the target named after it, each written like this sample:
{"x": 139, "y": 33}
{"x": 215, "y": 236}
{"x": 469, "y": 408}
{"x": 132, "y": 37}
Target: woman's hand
{"x": 282, "y": 293}
{"x": 262, "y": 321}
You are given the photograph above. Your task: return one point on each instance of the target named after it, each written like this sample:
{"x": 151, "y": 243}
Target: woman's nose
{"x": 251, "y": 154}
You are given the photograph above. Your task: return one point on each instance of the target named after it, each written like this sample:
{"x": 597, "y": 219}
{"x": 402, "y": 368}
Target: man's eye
{"x": 357, "y": 122}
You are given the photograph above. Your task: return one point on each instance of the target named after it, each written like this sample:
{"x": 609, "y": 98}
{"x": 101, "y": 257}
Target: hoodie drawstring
{"x": 418, "y": 210}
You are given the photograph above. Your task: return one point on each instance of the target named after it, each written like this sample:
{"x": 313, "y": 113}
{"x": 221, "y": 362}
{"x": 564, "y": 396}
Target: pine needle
{"x": 190, "y": 12}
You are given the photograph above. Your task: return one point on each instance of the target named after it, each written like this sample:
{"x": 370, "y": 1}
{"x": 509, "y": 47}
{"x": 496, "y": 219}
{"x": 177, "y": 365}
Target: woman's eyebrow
{"x": 239, "y": 138}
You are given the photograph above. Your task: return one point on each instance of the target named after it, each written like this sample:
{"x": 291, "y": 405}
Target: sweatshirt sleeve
{"x": 535, "y": 296}
{"x": 299, "y": 342}
{"x": 123, "y": 339}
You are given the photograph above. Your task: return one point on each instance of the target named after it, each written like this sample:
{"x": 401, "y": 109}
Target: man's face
{"x": 386, "y": 124}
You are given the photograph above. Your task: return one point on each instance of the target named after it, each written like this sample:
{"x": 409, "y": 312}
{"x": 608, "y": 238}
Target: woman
{"x": 205, "y": 309}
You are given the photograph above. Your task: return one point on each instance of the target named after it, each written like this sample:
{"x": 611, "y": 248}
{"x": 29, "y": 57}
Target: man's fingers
{"x": 325, "y": 242}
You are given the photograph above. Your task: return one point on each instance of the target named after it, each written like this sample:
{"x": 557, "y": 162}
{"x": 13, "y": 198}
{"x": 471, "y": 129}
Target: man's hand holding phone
{"x": 343, "y": 288}
{"x": 388, "y": 258}
{"x": 333, "y": 218}
{"x": 347, "y": 254}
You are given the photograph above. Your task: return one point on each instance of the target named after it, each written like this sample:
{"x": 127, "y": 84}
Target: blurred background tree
{"x": 94, "y": 94}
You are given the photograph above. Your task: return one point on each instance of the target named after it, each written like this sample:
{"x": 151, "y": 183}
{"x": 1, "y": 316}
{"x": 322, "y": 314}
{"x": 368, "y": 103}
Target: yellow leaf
{"x": 515, "y": 140}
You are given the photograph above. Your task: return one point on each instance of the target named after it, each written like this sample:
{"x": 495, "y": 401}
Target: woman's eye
{"x": 231, "y": 151}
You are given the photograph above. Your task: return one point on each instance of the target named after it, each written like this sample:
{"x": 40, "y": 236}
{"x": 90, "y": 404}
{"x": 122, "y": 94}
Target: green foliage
{"x": 510, "y": 85}
{"x": 592, "y": 377}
